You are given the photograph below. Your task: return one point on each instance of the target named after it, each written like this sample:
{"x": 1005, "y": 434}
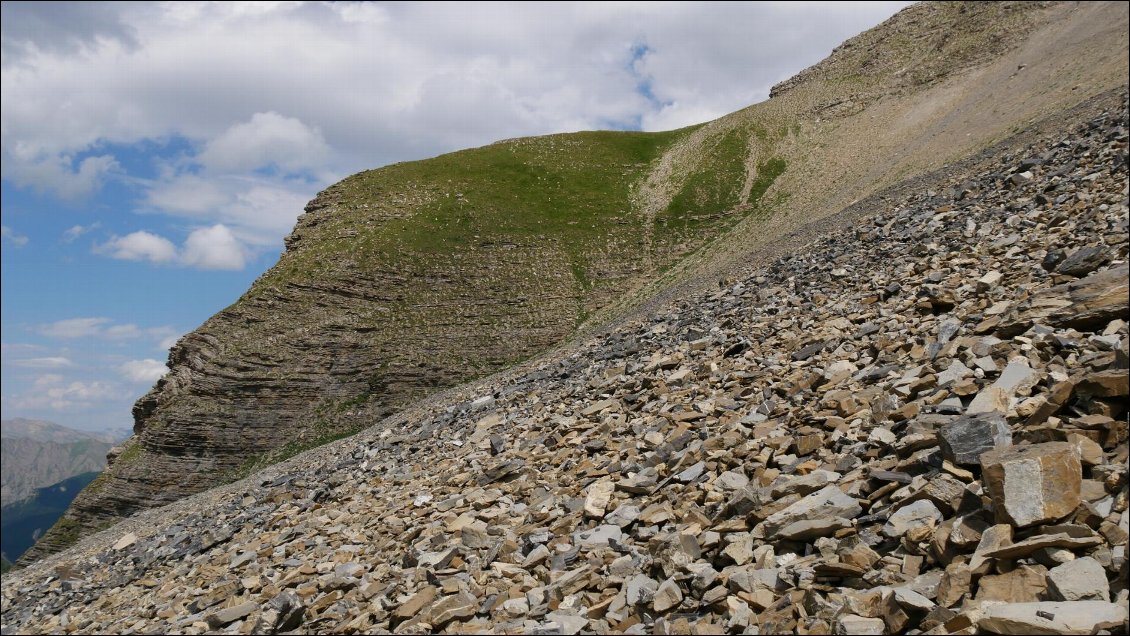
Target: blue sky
{"x": 154, "y": 155}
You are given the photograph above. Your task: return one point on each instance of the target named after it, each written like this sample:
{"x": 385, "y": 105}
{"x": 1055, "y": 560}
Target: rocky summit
{"x": 412, "y": 278}
{"x": 912, "y": 421}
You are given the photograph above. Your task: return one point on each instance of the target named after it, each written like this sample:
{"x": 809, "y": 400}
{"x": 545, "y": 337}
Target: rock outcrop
{"x": 401, "y": 281}
{"x": 764, "y": 456}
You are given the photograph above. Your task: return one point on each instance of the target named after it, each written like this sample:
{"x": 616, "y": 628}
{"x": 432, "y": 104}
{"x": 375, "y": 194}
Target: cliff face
{"x": 421, "y": 275}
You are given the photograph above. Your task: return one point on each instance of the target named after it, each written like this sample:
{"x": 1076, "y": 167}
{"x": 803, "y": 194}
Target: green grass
{"x": 716, "y": 185}
{"x": 573, "y": 190}
{"x": 767, "y": 173}
{"x": 129, "y": 454}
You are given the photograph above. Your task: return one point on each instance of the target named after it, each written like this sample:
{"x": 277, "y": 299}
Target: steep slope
{"x": 913, "y": 424}
{"x": 35, "y": 454}
{"x": 23, "y": 522}
{"x": 417, "y": 276}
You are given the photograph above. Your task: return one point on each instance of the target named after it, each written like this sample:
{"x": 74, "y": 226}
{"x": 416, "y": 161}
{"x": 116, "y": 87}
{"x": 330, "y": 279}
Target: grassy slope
{"x": 572, "y": 190}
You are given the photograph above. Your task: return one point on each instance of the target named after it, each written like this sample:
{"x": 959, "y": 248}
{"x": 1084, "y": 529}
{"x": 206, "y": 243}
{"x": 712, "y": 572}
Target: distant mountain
{"x": 36, "y": 454}
{"x": 45, "y": 431}
{"x": 23, "y": 522}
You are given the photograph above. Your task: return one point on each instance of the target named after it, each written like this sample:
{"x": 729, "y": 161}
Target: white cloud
{"x": 187, "y": 195}
{"x": 53, "y": 392}
{"x": 213, "y": 248}
{"x": 139, "y": 246}
{"x": 8, "y": 234}
{"x": 122, "y": 332}
{"x": 75, "y": 231}
{"x": 144, "y": 371}
{"x": 58, "y": 174}
{"x": 74, "y": 328}
{"x": 99, "y": 327}
{"x": 258, "y": 211}
{"x": 267, "y": 139}
{"x": 52, "y": 362}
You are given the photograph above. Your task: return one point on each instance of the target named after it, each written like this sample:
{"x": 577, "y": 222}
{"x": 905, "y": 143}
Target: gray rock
{"x": 854, "y": 624}
{"x": 828, "y": 502}
{"x": 920, "y": 514}
{"x": 1082, "y": 579}
{"x": 222, "y": 617}
{"x": 1083, "y": 261}
{"x": 598, "y": 536}
{"x": 963, "y": 440}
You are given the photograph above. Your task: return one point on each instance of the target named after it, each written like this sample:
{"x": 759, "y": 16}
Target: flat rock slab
{"x": 1082, "y": 579}
{"x": 1078, "y": 617}
{"x": 1087, "y": 303}
{"x": 828, "y": 502}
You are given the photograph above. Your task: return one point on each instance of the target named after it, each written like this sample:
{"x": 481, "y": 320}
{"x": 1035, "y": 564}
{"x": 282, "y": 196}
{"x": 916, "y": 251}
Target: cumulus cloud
{"x": 139, "y": 246}
{"x": 59, "y": 174}
{"x": 10, "y": 235}
{"x": 103, "y": 328}
{"x": 213, "y": 248}
{"x": 258, "y": 211}
{"x": 61, "y": 27}
{"x": 268, "y": 139}
{"x": 51, "y": 362}
{"x": 145, "y": 371}
{"x": 74, "y": 328}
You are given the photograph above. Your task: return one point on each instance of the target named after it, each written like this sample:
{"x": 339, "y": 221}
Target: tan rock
{"x": 416, "y": 602}
{"x": 668, "y": 595}
{"x": 1032, "y": 484}
{"x": 599, "y": 494}
{"x": 1025, "y": 584}
{"x": 1078, "y": 617}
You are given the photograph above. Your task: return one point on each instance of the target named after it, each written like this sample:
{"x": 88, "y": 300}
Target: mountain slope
{"x": 35, "y": 454}
{"x": 913, "y": 424}
{"x": 22, "y": 523}
{"x": 418, "y": 276}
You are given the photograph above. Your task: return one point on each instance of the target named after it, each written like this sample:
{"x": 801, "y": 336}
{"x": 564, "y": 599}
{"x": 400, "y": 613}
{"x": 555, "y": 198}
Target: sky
{"x": 154, "y": 155}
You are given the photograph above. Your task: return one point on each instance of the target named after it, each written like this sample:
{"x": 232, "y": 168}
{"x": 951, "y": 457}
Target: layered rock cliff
{"x": 421, "y": 275}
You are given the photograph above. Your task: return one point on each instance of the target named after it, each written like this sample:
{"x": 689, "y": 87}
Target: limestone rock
{"x": 1033, "y": 484}
{"x": 920, "y": 514}
{"x": 1078, "y": 617}
{"x": 827, "y": 503}
{"x": 667, "y": 596}
{"x": 599, "y": 494}
{"x": 1082, "y": 579}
